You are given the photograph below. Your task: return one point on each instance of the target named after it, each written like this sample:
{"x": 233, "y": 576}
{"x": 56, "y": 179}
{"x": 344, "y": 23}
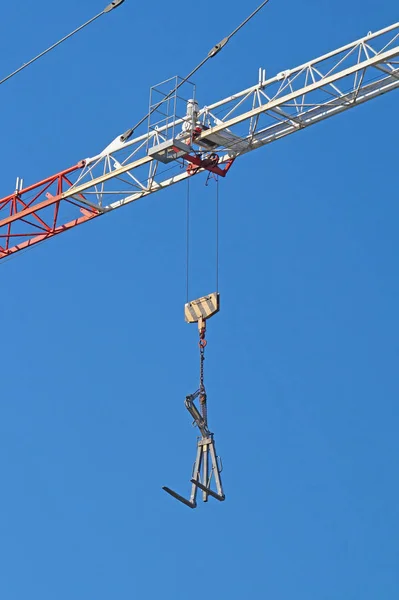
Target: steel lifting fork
{"x": 206, "y": 463}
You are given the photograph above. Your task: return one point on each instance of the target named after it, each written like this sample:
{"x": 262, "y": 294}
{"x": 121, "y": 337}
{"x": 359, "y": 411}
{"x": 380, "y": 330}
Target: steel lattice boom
{"x": 126, "y": 171}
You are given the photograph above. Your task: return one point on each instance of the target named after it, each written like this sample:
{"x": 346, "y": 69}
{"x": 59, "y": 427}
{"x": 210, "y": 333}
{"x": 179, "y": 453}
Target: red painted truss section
{"x": 39, "y": 212}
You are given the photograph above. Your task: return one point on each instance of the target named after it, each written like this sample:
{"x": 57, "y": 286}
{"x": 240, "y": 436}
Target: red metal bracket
{"x": 195, "y": 164}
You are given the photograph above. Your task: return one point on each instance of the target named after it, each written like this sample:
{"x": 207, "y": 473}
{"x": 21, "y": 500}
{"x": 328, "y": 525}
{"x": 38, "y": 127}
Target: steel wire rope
{"x": 188, "y": 198}
{"x": 107, "y": 9}
{"x": 187, "y": 238}
{"x": 217, "y": 234}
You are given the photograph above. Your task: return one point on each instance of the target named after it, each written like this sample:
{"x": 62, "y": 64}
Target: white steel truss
{"x": 129, "y": 169}
{"x": 273, "y": 108}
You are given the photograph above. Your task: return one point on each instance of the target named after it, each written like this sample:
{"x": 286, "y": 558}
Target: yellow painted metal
{"x": 202, "y": 308}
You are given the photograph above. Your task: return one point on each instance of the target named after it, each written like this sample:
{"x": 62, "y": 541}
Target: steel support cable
{"x": 107, "y": 9}
{"x": 187, "y": 238}
{"x": 217, "y": 234}
{"x": 213, "y": 52}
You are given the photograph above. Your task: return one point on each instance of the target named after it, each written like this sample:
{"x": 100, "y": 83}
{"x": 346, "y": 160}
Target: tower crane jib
{"x": 203, "y": 138}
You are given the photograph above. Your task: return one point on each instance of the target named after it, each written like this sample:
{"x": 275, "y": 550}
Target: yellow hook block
{"x": 198, "y": 311}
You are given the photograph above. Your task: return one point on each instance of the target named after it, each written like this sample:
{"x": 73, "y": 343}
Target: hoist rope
{"x": 213, "y": 52}
{"x": 187, "y": 239}
{"x": 106, "y": 10}
{"x": 217, "y": 234}
{"x": 188, "y": 199}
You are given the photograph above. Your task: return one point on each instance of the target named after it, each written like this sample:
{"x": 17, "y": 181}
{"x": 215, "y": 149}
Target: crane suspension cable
{"x": 215, "y": 50}
{"x": 187, "y": 238}
{"x": 188, "y": 217}
{"x": 217, "y": 234}
{"x": 107, "y": 9}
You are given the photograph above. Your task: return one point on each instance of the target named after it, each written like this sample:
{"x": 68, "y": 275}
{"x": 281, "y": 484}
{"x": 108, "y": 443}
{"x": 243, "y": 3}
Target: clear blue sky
{"x": 302, "y": 359}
